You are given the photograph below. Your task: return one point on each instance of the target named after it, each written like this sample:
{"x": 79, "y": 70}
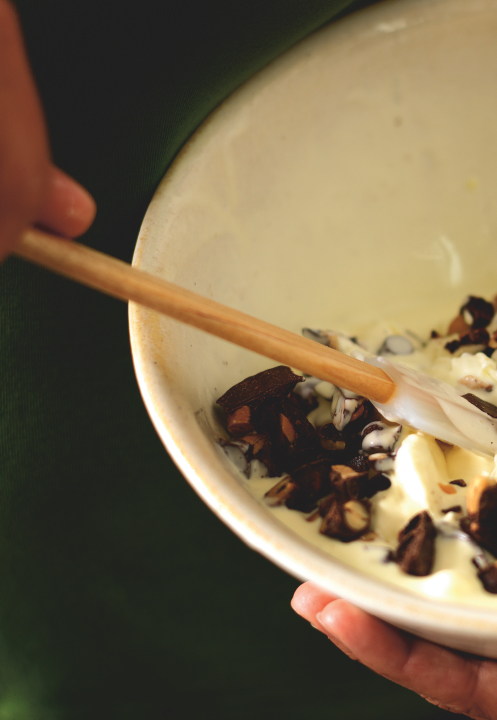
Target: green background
{"x": 121, "y": 595}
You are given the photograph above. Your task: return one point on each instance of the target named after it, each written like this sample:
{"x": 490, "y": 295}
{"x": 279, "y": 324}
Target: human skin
{"x": 454, "y": 681}
{"x": 32, "y": 190}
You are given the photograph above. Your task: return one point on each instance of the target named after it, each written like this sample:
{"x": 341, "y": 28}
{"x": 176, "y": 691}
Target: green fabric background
{"x": 121, "y": 595}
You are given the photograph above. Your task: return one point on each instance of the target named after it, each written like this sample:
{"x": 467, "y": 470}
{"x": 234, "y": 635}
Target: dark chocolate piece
{"x": 477, "y": 312}
{"x": 346, "y": 521}
{"x": 364, "y": 414}
{"x": 304, "y": 488}
{"x": 459, "y": 481}
{"x": 483, "y": 405}
{"x": 256, "y": 389}
{"x": 454, "y": 508}
{"x": 374, "y": 485}
{"x": 294, "y": 440}
{"x": 488, "y": 577}
{"x": 416, "y": 550}
{"x": 332, "y": 439}
{"x": 359, "y": 463}
{"x": 481, "y": 523}
{"x": 347, "y": 483}
{"x": 474, "y": 337}
{"x": 305, "y": 404}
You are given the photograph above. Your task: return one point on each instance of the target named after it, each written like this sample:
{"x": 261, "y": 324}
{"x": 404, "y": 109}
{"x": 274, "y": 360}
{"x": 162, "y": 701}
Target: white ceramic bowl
{"x": 354, "y": 178}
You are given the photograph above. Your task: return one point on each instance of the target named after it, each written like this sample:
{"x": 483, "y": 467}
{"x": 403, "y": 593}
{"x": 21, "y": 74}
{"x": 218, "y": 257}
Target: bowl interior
{"x": 353, "y": 179}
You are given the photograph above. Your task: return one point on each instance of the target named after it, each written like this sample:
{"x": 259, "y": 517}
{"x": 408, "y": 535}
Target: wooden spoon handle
{"x": 120, "y": 280}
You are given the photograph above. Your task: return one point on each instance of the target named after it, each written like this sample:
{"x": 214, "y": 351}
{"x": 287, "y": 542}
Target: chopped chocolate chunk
{"x": 346, "y": 482}
{"x": 305, "y": 403}
{"x": 434, "y": 334}
{"x": 459, "y": 481}
{"x": 481, "y": 502}
{"x": 294, "y": 441}
{"x": 488, "y": 577}
{"x": 364, "y": 414}
{"x": 346, "y": 521}
{"x": 452, "y": 346}
{"x": 359, "y": 463}
{"x": 489, "y": 351}
{"x": 416, "y": 549}
{"x": 478, "y": 336}
{"x": 332, "y": 439}
{"x": 304, "y": 488}
{"x": 477, "y": 312}
{"x": 454, "y": 508}
{"x": 375, "y": 484}
{"x": 256, "y": 389}
{"x": 483, "y": 405}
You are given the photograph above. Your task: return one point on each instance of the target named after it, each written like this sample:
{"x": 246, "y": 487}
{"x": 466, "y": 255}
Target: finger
{"x": 24, "y": 153}
{"x": 69, "y": 209}
{"x": 308, "y": 601}
{"x": 454, "y": 681}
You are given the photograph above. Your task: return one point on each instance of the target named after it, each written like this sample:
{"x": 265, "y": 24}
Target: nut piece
{"x": 474, "y": 383}
{"x": 481, "y": 503}
{"x": 345, "y": 521}
{"x": 459, "y": 326}
{"x": 356, "y": 516}
{"x": 346, "y": 482}
{"x": 476, "y": 489}
{"x": 239, "y": 422}
{"x": 304, "y": 488}
{"x": 294, "y": 441}
{"x": 281, "y": 492}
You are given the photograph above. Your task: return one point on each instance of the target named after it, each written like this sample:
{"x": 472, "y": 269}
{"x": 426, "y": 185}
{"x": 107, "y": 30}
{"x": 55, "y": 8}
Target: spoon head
{"x": 434, "y": 407}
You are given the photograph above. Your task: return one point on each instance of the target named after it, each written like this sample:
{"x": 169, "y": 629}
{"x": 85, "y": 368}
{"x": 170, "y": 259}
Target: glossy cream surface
{"x": 422, "y": 471}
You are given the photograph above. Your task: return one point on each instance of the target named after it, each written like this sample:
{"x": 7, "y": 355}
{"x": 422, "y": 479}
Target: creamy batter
{"x": 421, "y": 471}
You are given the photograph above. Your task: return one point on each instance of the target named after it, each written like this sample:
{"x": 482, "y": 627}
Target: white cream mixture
{"x": 422, "y": 471}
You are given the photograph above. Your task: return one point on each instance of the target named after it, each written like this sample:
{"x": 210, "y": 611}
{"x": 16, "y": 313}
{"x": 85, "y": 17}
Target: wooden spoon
{"x": 410, "y": 398}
